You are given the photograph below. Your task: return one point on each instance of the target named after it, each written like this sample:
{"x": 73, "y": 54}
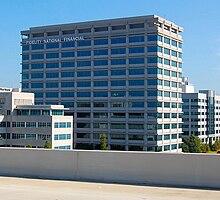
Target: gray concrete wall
{"x": 191, "y": 170}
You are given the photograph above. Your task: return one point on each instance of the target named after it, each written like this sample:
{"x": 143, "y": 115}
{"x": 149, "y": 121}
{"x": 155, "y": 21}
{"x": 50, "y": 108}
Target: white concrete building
{"x": 24, "y": 124}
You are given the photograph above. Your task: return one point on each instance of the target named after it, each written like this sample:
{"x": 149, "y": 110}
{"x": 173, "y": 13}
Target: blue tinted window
{"x": 83, "y": 63}
{"x": 180, "y": 55}
{"x": 25, "y": 85}
{"x": 37, "y": 66}
{"x": 101, "y": 52}
{"x": 154, "y": 49}
{"x": 25, "y": 57}
{"x": 174, "y": 63}
{"x": 67, "y": 84}
{"x": 136, "y": 60}
{"x": 136, "y": 50}
{"x": 52, "y": 45}
{"x": 174, "y": 53}
{"x": 67, "y": 64}
{"x": 67, "y": 54}
{"x": 136, "y": 39}
{"x": 101, "y": 42}
{"x": 68, "y": 44}
{"x": 37, "y": 85}
{"x": 52, "y": 55}
{"x": 166, "y": 72}
{"x": 118, "y": 83}
{"x": 136, "y": 93}
{"x": 152, "y": 82}
{"x": 166, "y": 51}
{"x": 25, "y": 76}
{"x": 174, "y": 43}
{"x": 67, "y": 94}
{"x": 38, "y": 95}
{"x": 118, "y": 72}
{"x": 166, "y": 62}
{"x": 67, "y": 104}
{"x": 84, "y": 43}
{"x": 83, "y": 74}
{"x": 174, "y": 74}
{"x": 25, "y": 47}
{"x": 152, "y": 38}
{"x": 101, "y": 73}
{"x": 25, "y": 66}
{"x": 118, "y": 94}
{"x": 136, "y": 71}
{"x": 37, "y": 46}
{"x": 100, "y": 62}
{"x": 52, "y": 65}
{"x": 52, "y": 85}
{"x": 154, "y": 71}
{"x": 52, "y": 94}
{"x": 151, "y": 93}
{"x": 166, "y": 40}
{"x": 52, "y": 75}
{"x": 67, "y": 74}
{"x": 136, "y": 104}
{"x": 100, "y": 94}
{"x": 100, "y": 83}
{"x": 84, "y": 84}
{"x": 37, "y": 56}
{"x": 154, "y": 104}
{"x": 180, "y": 65}
{"x": 136, "y": 82}
{"x": 84, "y": 53}
{"x": 83, "y": 94}
{"x": 180, "y": 45}
{"x": 37, "y": 75}
{"x": 118, "y": 40}
{"x": 154, "y": 60}
{"x": 118, "y": 51}
{"x": 118, "y": 61}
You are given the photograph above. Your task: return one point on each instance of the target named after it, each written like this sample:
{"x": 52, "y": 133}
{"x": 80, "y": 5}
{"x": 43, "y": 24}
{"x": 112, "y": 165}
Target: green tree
{"x": 103, "y": 145}
{"x": 29, "y": 146}
{"x": 48, "y": 145}
{"x": 194, "y": 145}
{"x": 216, "y": 145}
{"x": 205, "y": 148}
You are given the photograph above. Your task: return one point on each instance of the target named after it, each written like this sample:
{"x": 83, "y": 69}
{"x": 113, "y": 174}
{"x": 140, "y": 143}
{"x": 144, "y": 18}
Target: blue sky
{"x": 199, "y": 18}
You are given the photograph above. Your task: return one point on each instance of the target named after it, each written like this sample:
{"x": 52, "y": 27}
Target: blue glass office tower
{"x": 121, "y": 77}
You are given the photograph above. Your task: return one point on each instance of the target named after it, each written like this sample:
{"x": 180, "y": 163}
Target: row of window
{"x": 62, "y": 136}
{"x": 66, "y": 147}
{"x": 105, "y": 52}
{"x": 39, "y": 112}
{"x": 31, "y": 124}
{"x": 30, "y": 136}
{"x": 105, "y": 41}
{"x": 62, "y": 125}
{"x": 104, "y": 62}
{"x": 130, "y": 126}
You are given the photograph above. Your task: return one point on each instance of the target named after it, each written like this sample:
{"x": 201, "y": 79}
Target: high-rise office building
{"x": 121, "y": 77}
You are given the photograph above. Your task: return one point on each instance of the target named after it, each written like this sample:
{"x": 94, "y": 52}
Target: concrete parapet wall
{"x": 174, "y": 169}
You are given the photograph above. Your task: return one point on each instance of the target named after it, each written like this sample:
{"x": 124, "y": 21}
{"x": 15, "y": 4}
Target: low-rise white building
{"x": 23, "y": 124}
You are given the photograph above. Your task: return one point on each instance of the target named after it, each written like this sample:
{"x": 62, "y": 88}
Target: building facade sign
{"x": 53, "y": 40}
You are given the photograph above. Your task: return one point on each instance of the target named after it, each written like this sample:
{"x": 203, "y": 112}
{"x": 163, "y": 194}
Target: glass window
{"x": 136, "y": 82}
{"x": 52, "y": 55}
{"x": 118, "y": 72}
{"x": 37, "y": 75}
{"x": 136, "y": 50}
{"x": 99, "y": 29}
{"x": 136, "y": 39}
{"x": 67, "y": 94}
{"x": 136, "y": 71}
{"x": 154, "y": 60}
{"x": 154, "y": 71}
{"x": 118, "y": 27}
{"x": 118, "y": 51}
{"x": 83, "y": 53}
{"x": 25, "y": 76}
{"x": 166, "y": 61}
{"x": 52, "y": 65}
{"x": 180, "y": 45}
{"x": 84, "y": 84}
{"x": 167, "y": 51}
{"x": 68, "y": 44}
{"x": 118, "y": 40}
{"x": 67, "y": 84}
{"x": 52, "y": 45}
{"x": 83, "y": 63}
{"x": 118, "y": 61}
{"x": 67, "y": 64}
{"x": 84, "y": 74}
{"x": 25, "y": 57}
{"x": 101, "y": 52}
{"x": 67, "y": 54}
{"x": 118, "y": 83}
{"x": 174, "y": 53}
{"x": 136, "y": 104}
{"x": 100, "y": 94}
{"x": 152, "y": 38}
{"x": 174, "y": 63}
{"x": 67, "y": 74}
{"x": 180, "y": 55}
{"x": 118, "y": 94}
{"x": 174, "y": 43}
{"x": 37, "y": 85}
{"x": 101, "y": 73}
{"x": 25, "y": 66}
{"x": 154, "y": 49}
{"x": 166, "y": 40}
{"x": 37, "y": 46}
{"x": 136, "y": 93}
{"x": 84, "y": 43}
{"x": 174, "y": 74}
{"x": 52, "y": 95}
{"x": 52, "y": 85}
{"x": 100, "y": 83}
{"x": 52, "y": 75}
{"x": 136, "y": 60}
{"x": 100, "y": 41}
{"x": 166, "y": 72}
{"x": 83, "y": 94}
{"x": 36, "y": 56}
{"x": 100, "y": 62}
{"x": 134, "y": 26}
{"x": 167, "y": 83}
